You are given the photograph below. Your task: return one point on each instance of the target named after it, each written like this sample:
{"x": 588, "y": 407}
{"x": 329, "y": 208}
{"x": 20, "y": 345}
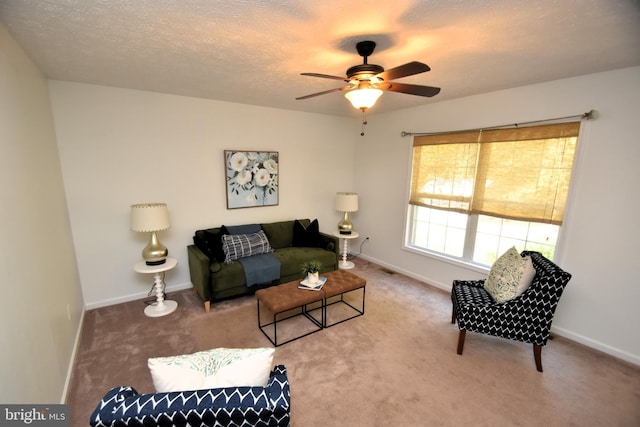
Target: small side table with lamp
{"x": 346, "y": 202}
{"x": 150, "y": 218}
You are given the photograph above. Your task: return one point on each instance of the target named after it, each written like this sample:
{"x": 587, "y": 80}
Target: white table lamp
{"x": 346, "y": 202}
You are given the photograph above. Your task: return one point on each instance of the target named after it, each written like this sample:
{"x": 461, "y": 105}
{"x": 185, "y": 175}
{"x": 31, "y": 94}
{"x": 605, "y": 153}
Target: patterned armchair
{"x": 526, "y": 318}
{"x": 232, "y": 406}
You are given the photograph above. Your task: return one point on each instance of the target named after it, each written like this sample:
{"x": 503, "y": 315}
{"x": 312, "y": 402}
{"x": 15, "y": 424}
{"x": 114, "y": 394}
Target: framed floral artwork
{"x": 252, "y": 178}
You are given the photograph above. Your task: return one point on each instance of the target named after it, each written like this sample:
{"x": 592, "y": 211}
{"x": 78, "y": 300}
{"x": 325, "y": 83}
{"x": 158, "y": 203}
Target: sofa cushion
{"x": 236, "y": 246}
{"x": 220, "y": 367}
{"x": 292, "y": 258}
{"x": 507, "y": 276}
{"x": 280, "y": 234}
{"x": 306, "y": 236}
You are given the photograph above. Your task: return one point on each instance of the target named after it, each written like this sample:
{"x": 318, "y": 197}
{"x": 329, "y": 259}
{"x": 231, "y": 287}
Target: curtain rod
{"x": 589, "y": 115}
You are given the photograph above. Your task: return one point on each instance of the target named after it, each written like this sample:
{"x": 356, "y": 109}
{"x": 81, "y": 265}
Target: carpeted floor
{"x": 395, "y": 366}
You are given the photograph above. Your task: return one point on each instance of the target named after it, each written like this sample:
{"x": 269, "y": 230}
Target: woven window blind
{"x": 517, "y": 173}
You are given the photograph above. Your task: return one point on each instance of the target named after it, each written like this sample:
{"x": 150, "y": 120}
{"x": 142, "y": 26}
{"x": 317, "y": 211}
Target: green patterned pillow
{"x": 506, "y": 275}
{"x": 220, "y": 367}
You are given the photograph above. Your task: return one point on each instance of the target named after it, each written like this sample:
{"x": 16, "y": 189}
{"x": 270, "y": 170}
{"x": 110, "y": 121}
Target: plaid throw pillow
{"x": 236, "y": 246}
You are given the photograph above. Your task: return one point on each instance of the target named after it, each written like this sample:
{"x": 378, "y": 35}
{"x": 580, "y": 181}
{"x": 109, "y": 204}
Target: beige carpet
{"x": 395, "y": 366}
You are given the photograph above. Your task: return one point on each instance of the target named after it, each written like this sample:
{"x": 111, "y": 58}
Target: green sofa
{"x": 213, "y": 279}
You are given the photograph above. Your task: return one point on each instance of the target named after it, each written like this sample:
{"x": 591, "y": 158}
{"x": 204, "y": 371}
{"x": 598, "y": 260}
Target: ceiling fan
{"x": 367, "y": 81}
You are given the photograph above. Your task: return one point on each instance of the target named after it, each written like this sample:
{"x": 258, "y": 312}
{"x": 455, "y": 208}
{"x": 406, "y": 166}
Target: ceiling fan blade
{"x": 410, "y": 89}
{"x": 325, "y": 76}
{"x": 405, "y": 70}
{"x": 325, "y": 92}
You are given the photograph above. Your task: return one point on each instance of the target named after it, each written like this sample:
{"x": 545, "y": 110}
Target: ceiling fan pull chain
{"x": 364, "y": 120}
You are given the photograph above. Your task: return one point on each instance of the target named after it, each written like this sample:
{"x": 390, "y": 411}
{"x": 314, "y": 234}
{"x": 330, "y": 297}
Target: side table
{"x": 344, "y": 264}
{"x": 161, "y": 307}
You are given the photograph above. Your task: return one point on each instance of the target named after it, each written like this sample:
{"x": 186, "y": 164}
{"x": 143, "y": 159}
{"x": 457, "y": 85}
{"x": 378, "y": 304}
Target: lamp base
{"x": 345, "y": 226}
{"x": 155, "y": 253}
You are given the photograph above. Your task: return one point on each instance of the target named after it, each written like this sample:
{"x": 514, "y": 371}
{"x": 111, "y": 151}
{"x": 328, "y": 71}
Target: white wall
{"x": 120, "y": 147}
{"x": 601, "y": 232}
{"x": 41, "y": 297}
{"x": 111, "y": 140}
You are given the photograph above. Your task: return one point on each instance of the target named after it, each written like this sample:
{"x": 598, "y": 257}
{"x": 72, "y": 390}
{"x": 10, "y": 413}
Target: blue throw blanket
{"x": 261, "y": 269}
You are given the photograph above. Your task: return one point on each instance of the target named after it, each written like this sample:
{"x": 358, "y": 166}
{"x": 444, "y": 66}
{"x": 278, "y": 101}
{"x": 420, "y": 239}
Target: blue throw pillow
{"x": 242, "y": 229}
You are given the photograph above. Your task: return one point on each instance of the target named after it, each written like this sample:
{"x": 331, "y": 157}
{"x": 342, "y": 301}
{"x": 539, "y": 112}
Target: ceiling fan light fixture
{"x": 366, "y": 82}
{"x": 363, "y": 99}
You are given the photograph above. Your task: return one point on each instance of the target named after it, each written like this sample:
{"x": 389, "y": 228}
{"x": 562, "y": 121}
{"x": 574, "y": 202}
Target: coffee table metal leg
{"x": 275, "y": 330}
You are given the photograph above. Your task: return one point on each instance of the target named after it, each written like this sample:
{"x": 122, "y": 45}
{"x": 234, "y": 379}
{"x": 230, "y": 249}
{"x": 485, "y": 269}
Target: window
{"x": 474, "y": 194}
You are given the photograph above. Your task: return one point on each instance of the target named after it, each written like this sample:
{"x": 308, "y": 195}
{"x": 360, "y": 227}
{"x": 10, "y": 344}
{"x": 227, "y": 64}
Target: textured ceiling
{"x": 253, "y": 51}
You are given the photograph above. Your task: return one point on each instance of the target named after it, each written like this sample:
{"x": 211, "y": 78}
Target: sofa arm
{"x": 199, "y": 270}
{"x": 331, "y": 243}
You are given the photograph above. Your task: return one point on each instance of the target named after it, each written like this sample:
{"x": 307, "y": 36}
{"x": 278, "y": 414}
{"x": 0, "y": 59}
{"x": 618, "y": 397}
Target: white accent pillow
{"x": 220, "y": 367}
{"x": 507, "y": 276}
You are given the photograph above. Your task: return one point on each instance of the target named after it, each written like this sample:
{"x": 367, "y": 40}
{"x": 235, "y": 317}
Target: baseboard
{"x": 423, "y": 279}
{"x": 136, "y": 296}
{"x": 596, "y": 345}
{"x": 72, "y": 359}
{"x": 564, "y": 333}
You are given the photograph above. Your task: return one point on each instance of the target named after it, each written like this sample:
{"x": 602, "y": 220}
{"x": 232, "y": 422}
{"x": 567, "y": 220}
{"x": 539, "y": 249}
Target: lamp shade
{"x": 347, "y": 202}
{"x": 146, "y": 217}
{"x": 363, "y": 98}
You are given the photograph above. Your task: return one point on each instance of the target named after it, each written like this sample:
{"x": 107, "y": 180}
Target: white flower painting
{"x": 252, "y": 178}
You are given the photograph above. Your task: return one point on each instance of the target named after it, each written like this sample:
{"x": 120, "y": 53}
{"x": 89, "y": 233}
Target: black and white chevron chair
{"x": 526, "y": 318}
{"x": 232, "y": 406}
